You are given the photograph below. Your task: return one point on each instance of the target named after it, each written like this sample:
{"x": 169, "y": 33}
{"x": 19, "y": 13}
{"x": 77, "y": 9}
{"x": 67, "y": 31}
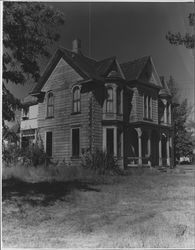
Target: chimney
{"x": 76, "y": 46}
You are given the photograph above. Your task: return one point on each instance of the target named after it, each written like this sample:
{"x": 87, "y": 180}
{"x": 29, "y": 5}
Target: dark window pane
{"x": 110, "y": 141}
{"x": 49, "y": 143}
{"x": 75, "y": 142}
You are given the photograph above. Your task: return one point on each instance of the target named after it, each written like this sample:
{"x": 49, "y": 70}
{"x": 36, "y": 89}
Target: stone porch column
{"x": 160, "y": 150}
{"x": 139, "y": 132}
{"x": 104, "y": 139}
{"x": 168, "y": 151}
{"x": 170, "y": 118}
{"x": 115, "y": 141}
{"x": 149, "y": 147}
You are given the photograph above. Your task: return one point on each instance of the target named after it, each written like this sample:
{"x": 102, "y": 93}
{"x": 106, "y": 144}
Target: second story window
{"x": 50, "y": 105}
{"x": 147, "y": 107}
{"x": 25, "y": 114}
{"x": 119, "y": 101}
{"x": 109, "y": 101}
{"x": 76, "y": 100}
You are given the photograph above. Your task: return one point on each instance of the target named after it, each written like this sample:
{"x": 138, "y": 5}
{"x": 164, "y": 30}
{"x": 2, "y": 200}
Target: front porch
{"x": 148, "y": 147}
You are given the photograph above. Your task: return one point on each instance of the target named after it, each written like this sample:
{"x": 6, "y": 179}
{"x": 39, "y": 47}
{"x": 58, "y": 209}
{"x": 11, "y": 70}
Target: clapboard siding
{"x": 60, "y": 83}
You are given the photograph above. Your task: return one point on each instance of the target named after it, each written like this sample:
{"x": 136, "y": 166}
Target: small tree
{"x": 183, "y": 144}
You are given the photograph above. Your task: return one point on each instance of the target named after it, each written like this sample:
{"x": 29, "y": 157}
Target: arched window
{"x": 76, "y": 100}
{"x": 109, "y": 101}
{"x": 50, "y": 105}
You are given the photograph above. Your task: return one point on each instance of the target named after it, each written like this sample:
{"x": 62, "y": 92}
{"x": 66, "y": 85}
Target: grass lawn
{"x": 152, "y": 209}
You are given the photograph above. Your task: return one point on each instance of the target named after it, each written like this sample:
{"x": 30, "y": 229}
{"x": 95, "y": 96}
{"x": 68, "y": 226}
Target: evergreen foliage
{"x": 29, "y": 29}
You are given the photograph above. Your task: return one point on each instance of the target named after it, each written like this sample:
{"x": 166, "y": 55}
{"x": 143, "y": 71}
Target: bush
{"x": 35, "y": 154}
{"x": 32, "y": 155}
{"x": 100, "y": 162}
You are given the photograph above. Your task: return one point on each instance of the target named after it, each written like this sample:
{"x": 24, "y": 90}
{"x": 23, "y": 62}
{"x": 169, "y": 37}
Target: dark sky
{"x": 129, "y": 31}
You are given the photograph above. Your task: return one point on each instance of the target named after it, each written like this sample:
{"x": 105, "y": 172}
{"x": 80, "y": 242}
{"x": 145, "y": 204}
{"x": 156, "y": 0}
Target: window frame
{"x": 47, "y": 144}
{"x": 110, "y": 101}
{"x": 147, "y": 107}
{"x": 76, "y": 102}
{"x": 73, "y": 155}
{"x": 50, "y": 95}
{"x": 119, "y": 101}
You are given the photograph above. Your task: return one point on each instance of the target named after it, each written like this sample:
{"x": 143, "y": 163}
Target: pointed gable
{"x": 132, "y": 69}
{"x": 149, "y": 74}
{"x": 141, "y": 69}
{"x": 109, "y": 67}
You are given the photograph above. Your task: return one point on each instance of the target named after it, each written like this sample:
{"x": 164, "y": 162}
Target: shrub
{"x": 100, "y": 162}
{"x": 32, "y": 155}
{"x": 35, "y": 154}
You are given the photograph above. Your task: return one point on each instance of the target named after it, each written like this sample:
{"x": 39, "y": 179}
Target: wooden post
{"x": 104, "y": 139}
{"x": 149, "y": 147}
{"x": 168, "y": 152}
{"x": 160, "y": 150}
{"x": 139, "y": 132}
{"x": 115, "y": 141}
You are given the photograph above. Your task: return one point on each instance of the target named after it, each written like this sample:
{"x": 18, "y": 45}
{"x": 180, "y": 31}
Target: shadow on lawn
{"x": 42, "y": 193}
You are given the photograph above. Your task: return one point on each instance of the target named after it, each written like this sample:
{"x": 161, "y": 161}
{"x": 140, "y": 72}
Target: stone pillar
{"x": 122, "y": 143}
{"x": 171, "y": 150}
{"x": 104, "y": 139}
{"x": 165, "y": 112}
{"x": 168, "y": 152}
{"x": 170, "y": 119}
{"x": 139, "y": 132}
{"x": 115, "y": 141}
{"x": 149, "y": 147}
{"x": 160, "y": 150}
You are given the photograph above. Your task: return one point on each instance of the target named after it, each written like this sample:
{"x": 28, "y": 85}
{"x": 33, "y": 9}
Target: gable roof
{"x": 165, "y": 91}
{"x": 91, "y": 69}
{"x": 83, "y": 65}
{"x": 133, "y": 69}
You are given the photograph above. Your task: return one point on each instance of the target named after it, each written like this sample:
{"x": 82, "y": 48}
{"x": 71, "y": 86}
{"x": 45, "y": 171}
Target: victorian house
{"x": 80, "y": 104}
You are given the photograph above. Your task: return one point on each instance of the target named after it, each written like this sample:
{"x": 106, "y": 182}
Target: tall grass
{"x": 52, "y": 172}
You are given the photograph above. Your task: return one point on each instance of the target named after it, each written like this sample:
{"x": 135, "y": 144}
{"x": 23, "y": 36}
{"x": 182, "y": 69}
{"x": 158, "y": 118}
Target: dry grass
{"x": 140, "y": 210}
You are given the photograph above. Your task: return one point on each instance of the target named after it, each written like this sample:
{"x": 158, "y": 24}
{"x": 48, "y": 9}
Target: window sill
{"x": 49, "y": 117}
{"x": 76, "y": 113}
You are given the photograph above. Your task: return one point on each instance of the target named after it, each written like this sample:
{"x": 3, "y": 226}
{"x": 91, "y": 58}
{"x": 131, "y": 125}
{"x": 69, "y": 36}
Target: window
{"x": 109, "y": 101}
{"x": 119, "y": 101}
{"x": 25, "y": 114}
{"x": 147, "y": 107}
{"x": 75, "y": 142}
{"x": 110, "y": 141}
{"x": 50, "y": 105}
{"x": 76, "y": 100}
{"x": 49, "y": 144}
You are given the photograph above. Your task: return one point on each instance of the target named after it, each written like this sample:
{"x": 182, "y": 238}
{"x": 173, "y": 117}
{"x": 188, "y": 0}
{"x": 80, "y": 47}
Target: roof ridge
{"x": 137, "y": 59}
